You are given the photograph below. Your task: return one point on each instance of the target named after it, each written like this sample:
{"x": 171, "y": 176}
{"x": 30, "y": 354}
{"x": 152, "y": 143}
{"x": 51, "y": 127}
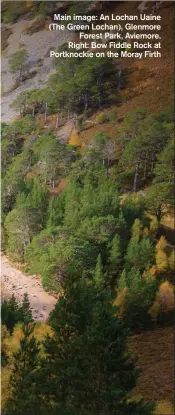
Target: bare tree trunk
{"x": 56, "y": 126}
{"x": 45, "y": 114}
{"x": 136, "y": 175}
{"x": 152, "y": 164}
{"x": 145, "y": 170}
{"x": 33, "y": 111}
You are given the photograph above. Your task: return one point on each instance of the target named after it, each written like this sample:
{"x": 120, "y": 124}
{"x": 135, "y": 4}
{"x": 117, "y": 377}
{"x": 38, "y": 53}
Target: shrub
{"x": 80, "y": 121}
{"x": 101, "y": 118}
{"x": 164, "y": 407}
{"x": 113, "y": 115}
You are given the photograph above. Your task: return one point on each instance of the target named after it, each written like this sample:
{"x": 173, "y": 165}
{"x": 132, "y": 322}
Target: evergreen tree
{"x": 24, "y": 397}
{"x": 18, "y": 62}
{"x": 87, "y": 358}
{"x": 10, "y": 313}
{"x": 115, "y": 256}
{"x": 55, "y": 211}
{"x": 25, "y": 309}
{"x": 138, "y": 299}
{"x": 98, "y": 274}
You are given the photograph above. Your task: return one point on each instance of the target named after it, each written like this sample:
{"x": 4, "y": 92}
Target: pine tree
{"x": 136, "y": 230}
{"x": 10, "y": 313}
{"x": 24, "y": 397}
{"x": 87, "y": 358}
{"x": 115, "y": 256}
{"x": 98, "y": 275}
{"x": 55, "y": 211}
{"x": 25, "y": 309}
{"x": 139, "y": 297}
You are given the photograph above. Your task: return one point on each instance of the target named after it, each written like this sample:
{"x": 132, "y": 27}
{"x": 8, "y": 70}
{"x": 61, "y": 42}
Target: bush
{"x": 101, "y": 118}
{"x": 9, "y": 17}
{"x": 80, "y": 121}
{"x": 164, "y": 407}
{"x": 113, "y": 115}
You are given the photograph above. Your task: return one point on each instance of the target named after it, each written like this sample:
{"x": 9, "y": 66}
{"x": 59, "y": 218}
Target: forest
{"x": 87, "y": 216}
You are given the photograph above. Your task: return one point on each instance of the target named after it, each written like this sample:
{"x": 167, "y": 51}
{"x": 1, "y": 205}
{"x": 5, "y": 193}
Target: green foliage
{"x": 115, "y": 258}
{"x": 156, "y": 200}
{"x": 139, "y": 296}
{"x": 89, "y": 343}
{"x": 24, "y": 395}
{"x": 98, "y": 274}
{"x": 140, "y": 253}
{"x": 13, "y": 182}
{"x": 144, "y": 139}
{"x": 133, "y": 208}
{"x": 113, "y": 115}
{"x": 18, "y": 62}
{"x": 101, "y": 118}
{"x": 13, "y": 313}
{"x": 55, "y": 211}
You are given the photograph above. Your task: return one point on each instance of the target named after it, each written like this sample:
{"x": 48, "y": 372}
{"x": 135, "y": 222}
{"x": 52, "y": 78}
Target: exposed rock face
{"x": 64, "y": 132}
{"x": 37, "y": 46}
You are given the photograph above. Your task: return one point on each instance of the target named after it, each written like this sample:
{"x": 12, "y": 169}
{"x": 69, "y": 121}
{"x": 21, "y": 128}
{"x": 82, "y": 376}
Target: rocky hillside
{"x": 141, "y": 76}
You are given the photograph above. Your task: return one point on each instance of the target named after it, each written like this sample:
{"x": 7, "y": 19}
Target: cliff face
{"x": 147, "y": 80}
{"x": 37, "y": 46}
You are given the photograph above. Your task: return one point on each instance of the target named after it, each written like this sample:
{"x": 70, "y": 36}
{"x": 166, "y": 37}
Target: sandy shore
{"x": 16, "y": 282}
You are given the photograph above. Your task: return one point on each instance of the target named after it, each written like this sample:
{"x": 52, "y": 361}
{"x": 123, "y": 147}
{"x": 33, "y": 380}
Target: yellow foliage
{"x": 5, "y": 390}
{"x": 29, "y": 3}
{"x": 161, "y": 244}
{"x": 74, "y": 139}
{"x": 153, "y": 226}
{"x": 165, "y": 297}
{"x": 164, "y": 300}
{"x": 120, "y": 302}
{"x": 13, "y": 342}
{"x": 171, "y": 261}
{"x": 161, "y": 260}
{"x": 145, "y": 231}
{"x": 150, "y": 274}
{"x": 152, "y": 271}
{"x": 164, "y": 407}
{"x": 154, "y": 310}
{"x": 10, "y": 346}
{"x": 136, "y": 229}
{"x": 101, "y": 118}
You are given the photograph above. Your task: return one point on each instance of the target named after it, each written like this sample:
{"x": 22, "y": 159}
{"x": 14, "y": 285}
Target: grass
{"x": 155, "y": 351}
